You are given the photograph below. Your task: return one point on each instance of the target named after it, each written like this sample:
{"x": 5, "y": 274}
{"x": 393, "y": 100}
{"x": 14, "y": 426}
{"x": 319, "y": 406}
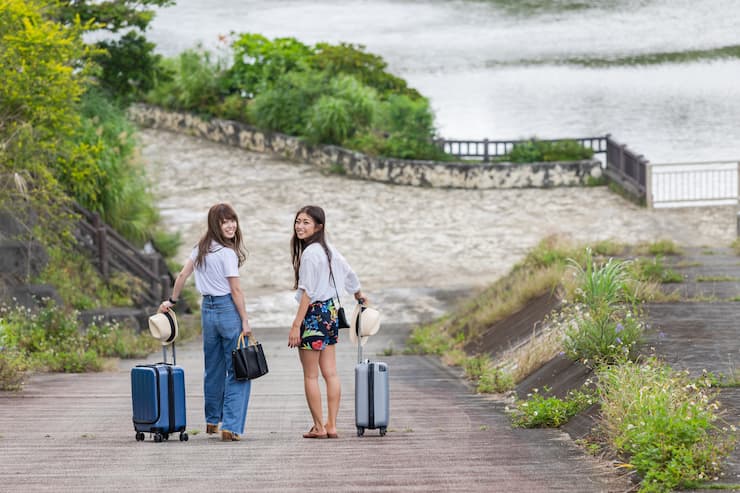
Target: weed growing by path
{"x": 607, "y": 327}
{"x": 538, "y": 411}
{"x": 653, "y": 270}
{"x": 49, "y": 339}
{"x": 660, "y": 247}
{"x": 663, "y": 423}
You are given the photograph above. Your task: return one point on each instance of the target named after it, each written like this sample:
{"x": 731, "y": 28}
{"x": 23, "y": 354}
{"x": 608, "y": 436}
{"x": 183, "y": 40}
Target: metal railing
{"x": 693, "y": 184}
{"x": 626, "y": 168}
{"x": 487, "y": 149}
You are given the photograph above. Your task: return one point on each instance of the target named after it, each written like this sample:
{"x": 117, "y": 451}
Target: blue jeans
{"x": 226, "y": 399}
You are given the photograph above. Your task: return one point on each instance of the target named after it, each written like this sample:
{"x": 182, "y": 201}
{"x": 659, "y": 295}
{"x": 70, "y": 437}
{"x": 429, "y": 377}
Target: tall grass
{"x": 609, "y": 326}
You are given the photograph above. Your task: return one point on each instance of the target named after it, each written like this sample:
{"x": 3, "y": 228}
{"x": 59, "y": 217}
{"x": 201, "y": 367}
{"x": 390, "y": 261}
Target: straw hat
{"x": 369, "y": 323}
{"x": 163, "y": 327}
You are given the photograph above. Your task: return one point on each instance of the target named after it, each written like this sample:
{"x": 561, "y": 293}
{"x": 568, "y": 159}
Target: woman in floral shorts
{"x": 320, "y": 273}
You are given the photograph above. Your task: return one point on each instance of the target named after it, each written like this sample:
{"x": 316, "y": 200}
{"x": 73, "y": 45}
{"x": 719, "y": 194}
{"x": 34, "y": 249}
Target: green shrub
{"x": 533, "y": 151}
{"x": 13, "y": 366}
{"x": 329, "y": 121}
{"x": 194, "y": 82}
{"x": 663, "y": 423}
{"x": 49, "y": 339}
{"x": 258, "y": 63}
{"x": 539, "y": 411}
{"x": 284, "y": 106}
{"x": 121, "y": 196}
{"x": 166, "y": 243}
{"x": 112, "y": 340}
{"x": 367, "y": 68}
{"x": 80, "y": 285}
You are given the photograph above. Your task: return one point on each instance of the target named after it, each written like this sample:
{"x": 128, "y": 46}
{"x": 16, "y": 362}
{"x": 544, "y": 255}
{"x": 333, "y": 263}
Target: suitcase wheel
{"x": 382, "y": 432}
{"x": 139, "y": 436}
{"x": 360, "y": 431}
{"x": 183, "y": 437}
{"x": 158, "y": 437}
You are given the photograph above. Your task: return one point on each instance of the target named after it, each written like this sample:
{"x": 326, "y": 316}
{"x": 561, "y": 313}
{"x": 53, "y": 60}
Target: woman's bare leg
{"x": 328, "y": 364}
{"x": 310, "y": 363}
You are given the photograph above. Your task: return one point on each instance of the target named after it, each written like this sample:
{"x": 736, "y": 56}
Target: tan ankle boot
{"x": 228, "y": 436}
{"x": 211, "y": 429}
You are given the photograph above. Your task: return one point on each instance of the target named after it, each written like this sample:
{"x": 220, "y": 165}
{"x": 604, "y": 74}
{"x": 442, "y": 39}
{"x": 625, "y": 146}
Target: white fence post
{"x": 738, "y": 200}
{"x": 649, "y": 185}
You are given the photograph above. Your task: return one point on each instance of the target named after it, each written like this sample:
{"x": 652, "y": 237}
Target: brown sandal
{"x": 312, "y": 434}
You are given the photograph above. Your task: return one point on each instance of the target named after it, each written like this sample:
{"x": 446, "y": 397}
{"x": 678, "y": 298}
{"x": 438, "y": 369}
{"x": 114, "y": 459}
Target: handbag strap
{"x": 240, "y": 343}
{"x": 331, "y": 276}
{"x": 251, "y": 341}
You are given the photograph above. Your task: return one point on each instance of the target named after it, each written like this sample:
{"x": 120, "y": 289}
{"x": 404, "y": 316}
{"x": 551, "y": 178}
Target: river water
{"x": 507, "y": 69}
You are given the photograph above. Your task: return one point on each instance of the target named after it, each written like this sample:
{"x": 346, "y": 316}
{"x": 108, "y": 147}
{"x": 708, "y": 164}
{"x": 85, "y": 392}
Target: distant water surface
{"x": 513, "y": 69}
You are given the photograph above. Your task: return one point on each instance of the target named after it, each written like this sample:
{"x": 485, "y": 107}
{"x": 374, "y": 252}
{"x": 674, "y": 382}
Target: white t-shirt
{"x": 220, "y": 263}
{"x": 313, "y": 274}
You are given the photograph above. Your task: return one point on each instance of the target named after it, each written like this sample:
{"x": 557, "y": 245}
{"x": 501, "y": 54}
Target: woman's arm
{"x": 294, "y": 337}
{"x": 238, "y": 297}
{"x": 187, "y": 269}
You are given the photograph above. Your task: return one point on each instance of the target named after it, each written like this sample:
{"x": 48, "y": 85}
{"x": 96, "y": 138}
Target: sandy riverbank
{"x": 415, "y": 249}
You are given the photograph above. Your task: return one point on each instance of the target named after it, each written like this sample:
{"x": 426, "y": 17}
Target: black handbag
{"x": 341, "y": 316}
{"x": 249, "y": 360}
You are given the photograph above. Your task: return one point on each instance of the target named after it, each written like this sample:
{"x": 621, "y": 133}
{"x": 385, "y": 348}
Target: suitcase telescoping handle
{"x": 358, "y": 331}
{"x": 174, "y": 354}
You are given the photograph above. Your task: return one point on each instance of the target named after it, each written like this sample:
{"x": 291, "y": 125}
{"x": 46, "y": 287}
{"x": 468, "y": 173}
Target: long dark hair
{"x": 217, "y": 215}
{"x": 297, "y": 245}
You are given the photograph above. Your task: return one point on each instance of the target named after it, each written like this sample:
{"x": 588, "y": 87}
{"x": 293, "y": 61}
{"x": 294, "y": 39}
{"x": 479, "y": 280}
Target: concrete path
{"x": 73, "y": 432}
{"x": 700, "y": 333}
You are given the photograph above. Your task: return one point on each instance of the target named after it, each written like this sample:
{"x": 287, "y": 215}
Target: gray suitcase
{"x": 371, "y": 393}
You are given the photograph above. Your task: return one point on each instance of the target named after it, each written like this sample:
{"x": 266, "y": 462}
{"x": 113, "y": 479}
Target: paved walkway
{"x": 416, "y": 251}
{"x": 73, "y": 432}
{"x": 702, "y": 333}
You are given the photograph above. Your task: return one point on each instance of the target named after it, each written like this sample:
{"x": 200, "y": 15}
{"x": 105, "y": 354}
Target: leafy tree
{"x": 368, "y": 68}
{"x": 43, "y": 72}
{"x": 111, "y": 15}
{"x": 128, "y": 65}
{"x": 259, "y": 63}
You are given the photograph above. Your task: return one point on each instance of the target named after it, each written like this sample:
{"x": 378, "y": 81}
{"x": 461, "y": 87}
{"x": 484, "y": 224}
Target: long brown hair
{"x": 217, "y": 215}
{"x": 297, "y": 245}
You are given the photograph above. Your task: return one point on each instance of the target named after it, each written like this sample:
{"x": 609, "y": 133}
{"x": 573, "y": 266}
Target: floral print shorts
{"x": 320, "y": 327}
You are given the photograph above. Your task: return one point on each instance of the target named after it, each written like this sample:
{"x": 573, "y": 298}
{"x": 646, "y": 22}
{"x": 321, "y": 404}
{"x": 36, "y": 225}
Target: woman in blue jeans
{"x": 215, "y": 260}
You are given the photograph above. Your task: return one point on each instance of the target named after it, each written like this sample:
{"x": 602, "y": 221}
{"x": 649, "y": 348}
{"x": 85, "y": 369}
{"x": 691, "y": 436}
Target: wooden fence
{"x": 113, "y": 252}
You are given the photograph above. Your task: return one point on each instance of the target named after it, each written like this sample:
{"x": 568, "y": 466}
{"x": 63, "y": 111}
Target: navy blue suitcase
{"x": 158, "y": 400}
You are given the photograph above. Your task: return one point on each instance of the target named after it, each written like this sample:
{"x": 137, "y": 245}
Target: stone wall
{"x": 358, "y": 165}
